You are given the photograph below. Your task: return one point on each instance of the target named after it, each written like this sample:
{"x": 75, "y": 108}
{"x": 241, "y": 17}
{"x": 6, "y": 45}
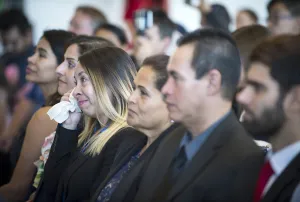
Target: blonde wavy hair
{"x": 111, "y": 72}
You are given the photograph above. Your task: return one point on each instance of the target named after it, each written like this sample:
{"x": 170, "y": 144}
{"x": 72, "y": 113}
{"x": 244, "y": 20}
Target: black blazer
{"x": 284, "y": 186}
{"x": 128, "y": 186}
{"x": 224, "y": 169}
{"x": 69, "y": 174}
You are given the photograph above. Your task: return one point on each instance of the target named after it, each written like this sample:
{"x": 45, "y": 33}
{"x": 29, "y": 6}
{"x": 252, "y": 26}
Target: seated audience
{"x": 212, "y": 153}
{"x": 103, "y": 79}
{"x": 147, "y": 113}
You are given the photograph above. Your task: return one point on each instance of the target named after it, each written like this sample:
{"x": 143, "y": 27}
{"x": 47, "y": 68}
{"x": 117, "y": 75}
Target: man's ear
{"x": 292, "y": 99}
{"x": 214, "y": 82}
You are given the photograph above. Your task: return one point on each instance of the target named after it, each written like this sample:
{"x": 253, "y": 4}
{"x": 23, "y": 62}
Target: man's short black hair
{"x": 14, "y": 18}
{"x": 215, "y": 49}
{"x": 292, "y": 5}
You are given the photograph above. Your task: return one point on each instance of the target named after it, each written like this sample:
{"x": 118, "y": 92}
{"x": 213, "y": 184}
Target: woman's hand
{"x": 74, "y": 117}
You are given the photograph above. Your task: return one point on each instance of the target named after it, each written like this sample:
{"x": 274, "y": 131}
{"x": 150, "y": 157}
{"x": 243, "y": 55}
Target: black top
{"x": 224, "y": 168}
{"x": 69, "y": 174}
{"x": 129, "y": 185}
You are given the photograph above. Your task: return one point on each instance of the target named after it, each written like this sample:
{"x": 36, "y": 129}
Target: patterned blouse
{"x": 110, "y": 187}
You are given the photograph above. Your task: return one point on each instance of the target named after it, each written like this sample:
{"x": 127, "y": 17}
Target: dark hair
{"x": 218, "y": 17}
{"x": 251, "y": 13}
{"x": 247, "y": 38}
{"x": 87, "y": 43}
{"x": 57, "y": 40}
{"x": 292, "y": 5}
{"x": 280, "y": 54}
{"x": 14, "y": 18}
{"x": 215, "y": 49}
{"x": 120, "y": 34}
{"x": 96, "y": 15}
{"x": 159, "y": 65}
{"x": 165, "y": 25}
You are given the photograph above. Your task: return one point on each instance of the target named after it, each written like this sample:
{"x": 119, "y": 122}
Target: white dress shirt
{"x": 280, "y": 160}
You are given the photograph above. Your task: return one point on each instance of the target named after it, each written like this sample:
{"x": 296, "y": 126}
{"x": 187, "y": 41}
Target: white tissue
{"x": 60, "y": 112}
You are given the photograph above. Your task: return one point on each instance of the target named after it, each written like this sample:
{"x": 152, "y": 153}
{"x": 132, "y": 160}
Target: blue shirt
{"x": 192, "y": 146}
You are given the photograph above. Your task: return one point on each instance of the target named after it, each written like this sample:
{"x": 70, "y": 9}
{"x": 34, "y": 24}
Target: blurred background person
{"x": 214, "y": 15}
{"x": 114, "y": 34}
{"x": 246, "y": 17}
{"x": 284, "y": 17}
{"x": 86, "y": 19}
{"x": 156, "y": 37}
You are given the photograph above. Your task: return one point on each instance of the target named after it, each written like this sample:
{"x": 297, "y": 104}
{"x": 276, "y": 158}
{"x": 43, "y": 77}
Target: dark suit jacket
{"x": 224, "y": 168}
{"x": 128, "y": 186}
{"x": 284, "y": 186}
{"x": 69, "y": 174}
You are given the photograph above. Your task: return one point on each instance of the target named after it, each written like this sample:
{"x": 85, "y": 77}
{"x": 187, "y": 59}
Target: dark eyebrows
{"x": 42, "y": 50}
{"x": 174, "y": 74}
{"x": 255, "y": 84}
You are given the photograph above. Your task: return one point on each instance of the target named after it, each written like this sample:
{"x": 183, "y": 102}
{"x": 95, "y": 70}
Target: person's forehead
{"x": 81, "y": 17}
{"x": 279, "y": 6}
{"x": 13, "y": 32}
{"x": 72, "y": 51}
{"x": 259, "y": 73}
{"x": 182, "y": 55}
{"x": 145, "y": 76}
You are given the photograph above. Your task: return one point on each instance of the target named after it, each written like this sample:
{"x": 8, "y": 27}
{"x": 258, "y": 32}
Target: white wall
{"x": 46, "y": 14}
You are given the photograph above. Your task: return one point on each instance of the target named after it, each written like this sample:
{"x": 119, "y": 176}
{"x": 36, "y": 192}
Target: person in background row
{"x": 113, "y": 34}
{"x": 271, "y": 100}
{"x": 148, "y": 114}
{"x": 41, "y": 70}
{"x": 246, "y": 17}
{"x": 78, "y": 158}
{"x": 284, "y": 17}
{"x": 16, "y": 36}
{"x": 215, "y": 16}
{"x": 85, "y": 20}
{"x": 157, "y": 39}
{"x": 247, "y": 38}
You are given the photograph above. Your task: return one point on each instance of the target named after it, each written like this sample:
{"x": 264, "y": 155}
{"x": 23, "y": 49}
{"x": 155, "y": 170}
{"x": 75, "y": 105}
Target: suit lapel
{"x": 159, "y": 165}
{"x": 290, "y": 176}
{"x": 204, "y": 156}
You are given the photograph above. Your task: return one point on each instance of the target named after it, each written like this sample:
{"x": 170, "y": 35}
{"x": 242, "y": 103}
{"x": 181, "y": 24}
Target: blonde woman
{"x": 103, "y": 80}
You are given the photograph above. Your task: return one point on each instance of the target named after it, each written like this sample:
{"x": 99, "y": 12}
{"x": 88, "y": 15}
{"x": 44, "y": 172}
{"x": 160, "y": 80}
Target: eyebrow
{"x": 143, "y": 88}
{"x": 175, "y": 74}
{"x": 255, "y": 84}
{"x": 80, "y": 73}
{"x": 42, "y": 50}
{"x": 69, "y": 58}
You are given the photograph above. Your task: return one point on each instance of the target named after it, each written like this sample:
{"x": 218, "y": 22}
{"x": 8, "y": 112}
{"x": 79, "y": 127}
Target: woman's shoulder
{"x": 41, "y": 114}
{"x": 128, "y": 134}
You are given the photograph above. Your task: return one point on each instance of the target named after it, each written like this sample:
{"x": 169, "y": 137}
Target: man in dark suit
{"x": 271, "y": 100}
{"x": 210, "y": 158}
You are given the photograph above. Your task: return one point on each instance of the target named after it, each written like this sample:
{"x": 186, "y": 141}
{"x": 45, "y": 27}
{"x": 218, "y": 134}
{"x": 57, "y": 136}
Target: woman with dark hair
{"x": 148, "y": 113}
{"x": 79, "y": 157}
{"x": 41, "y": 70}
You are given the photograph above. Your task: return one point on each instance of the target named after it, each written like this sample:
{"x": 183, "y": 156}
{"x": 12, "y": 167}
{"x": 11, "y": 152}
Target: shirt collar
{"x": 281, "y": 159}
